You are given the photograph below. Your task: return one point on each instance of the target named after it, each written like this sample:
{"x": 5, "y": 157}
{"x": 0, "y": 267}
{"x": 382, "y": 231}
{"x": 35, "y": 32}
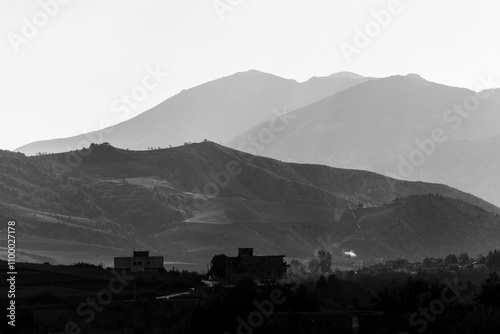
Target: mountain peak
{"x": 346, "y": 75}
{"x": 257, "y": 73}
{"x": 253, "y": 72}
{"x": 414, "y": 76}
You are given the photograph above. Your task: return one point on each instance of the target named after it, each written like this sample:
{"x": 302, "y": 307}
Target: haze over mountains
{"x": 115, "y": 200}
{"x": 218, "y": 110}
{"x": 343, "y": 120}
{"x": 389, "y": 126}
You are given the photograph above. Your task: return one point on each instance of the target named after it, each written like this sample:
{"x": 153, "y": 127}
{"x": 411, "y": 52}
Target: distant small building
{"x": 478, "y": 265}
{"x": 140, "y": 262}
{"x": 259, "y": 268}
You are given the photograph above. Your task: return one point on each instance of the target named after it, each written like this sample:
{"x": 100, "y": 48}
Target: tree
{"x": 463, "y": 258}
{"x": 490, "y": 291}
{"x": 219, "y": 265}
{"x": 427, "y": 261}
{"x": 493, "y": 259}
{"x": 313, "y": 266}
{"x": 296, "y": 267}
{"x": 451, "y": 259}
{"x": 325, "y": 261}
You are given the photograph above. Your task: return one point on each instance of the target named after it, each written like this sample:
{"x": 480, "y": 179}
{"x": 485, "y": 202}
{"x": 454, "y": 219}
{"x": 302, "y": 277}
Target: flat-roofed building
{"x": 256, "y": 267}
{"x": 139, "y": 262}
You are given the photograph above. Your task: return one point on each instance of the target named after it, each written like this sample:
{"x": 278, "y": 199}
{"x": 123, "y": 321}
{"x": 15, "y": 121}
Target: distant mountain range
{"x": 405, "y": 127}
{"x": 342, "y": 120}
{"x": 194, "y": 201}
{"x": 218, "y": 110}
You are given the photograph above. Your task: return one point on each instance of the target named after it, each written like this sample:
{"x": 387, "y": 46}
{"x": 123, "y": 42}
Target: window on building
{"x": 134, "y": 263}
{"x": 140, "y": 263}
{"x": 147, "y": 263}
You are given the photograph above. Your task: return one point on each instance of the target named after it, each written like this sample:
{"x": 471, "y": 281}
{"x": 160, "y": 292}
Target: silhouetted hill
{"x": 422, "y": 226}
{"x": 169, "y": 200}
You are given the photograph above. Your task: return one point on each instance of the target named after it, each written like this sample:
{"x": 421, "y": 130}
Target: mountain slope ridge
{"x": 377, "y": 124}
{"x": 217, "y": 110}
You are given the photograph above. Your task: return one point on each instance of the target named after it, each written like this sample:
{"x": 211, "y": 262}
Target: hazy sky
{"x": 62, "y": 78}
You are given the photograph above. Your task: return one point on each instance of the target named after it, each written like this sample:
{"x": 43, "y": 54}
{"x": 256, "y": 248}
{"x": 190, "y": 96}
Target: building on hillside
{"x": 478, "y": 265}
{"x": 140, "y": 262}
{"x": 265, "y": 268}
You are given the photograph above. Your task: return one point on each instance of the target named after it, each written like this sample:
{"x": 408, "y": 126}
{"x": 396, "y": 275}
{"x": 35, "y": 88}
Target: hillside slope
{"x": 184, "y": 202}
